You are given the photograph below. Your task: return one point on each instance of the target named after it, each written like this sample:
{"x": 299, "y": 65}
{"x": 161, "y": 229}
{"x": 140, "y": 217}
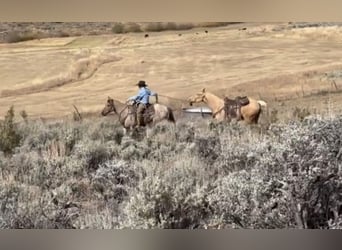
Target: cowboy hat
{"x": 141, "y": 84}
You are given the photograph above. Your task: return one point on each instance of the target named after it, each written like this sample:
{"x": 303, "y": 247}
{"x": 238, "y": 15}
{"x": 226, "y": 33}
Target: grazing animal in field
{"x": 128, "y": 115}
{"x": 248, "y": 112}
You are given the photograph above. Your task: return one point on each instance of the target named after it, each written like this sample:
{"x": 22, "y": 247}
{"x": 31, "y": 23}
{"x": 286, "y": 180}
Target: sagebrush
{"x": 88, "y": 174}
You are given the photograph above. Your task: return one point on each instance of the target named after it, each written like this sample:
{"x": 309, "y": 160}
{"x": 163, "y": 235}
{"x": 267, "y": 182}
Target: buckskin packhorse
{"x": 128, "y": 116}
{"x": 240, "y": 108}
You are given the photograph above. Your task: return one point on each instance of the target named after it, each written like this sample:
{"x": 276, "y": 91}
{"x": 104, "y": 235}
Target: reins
{"x": 178, "y": 99}
{"x": 214, "y": 114}
{"x": 120, "y": 113}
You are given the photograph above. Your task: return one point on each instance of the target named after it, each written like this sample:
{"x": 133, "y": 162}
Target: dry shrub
{"x": 208, "y": 148}
{"x": 300, "y": 113}
{"x": 62, "y": 34}
{"x": 313, "y": 174}
{"x": 16, "y": 36}
{"x": 169, "y": 198}
{"x": 119, "y": 28}
{"x": 246, "y": 200}
{"x": 113, "y": 180}
{"x": 271, "y": 116}
{"x": 132, "y": 27}
{"x": 215, "y": 24}
{"x": 185, "y": 26}
{"x": 209, "y": 175}
{"x": 29, "y": 31}
{"x": 162, "y": 26}
{"x": 25, "y": 207}
{"x": 154, "y": 27}
{"x": 92, "y": 154}
{"x": 170, "y": 26}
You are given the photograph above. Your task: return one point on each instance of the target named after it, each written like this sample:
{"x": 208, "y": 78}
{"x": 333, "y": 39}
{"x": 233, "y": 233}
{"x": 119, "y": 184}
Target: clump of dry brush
{"x": 89, "y": 175}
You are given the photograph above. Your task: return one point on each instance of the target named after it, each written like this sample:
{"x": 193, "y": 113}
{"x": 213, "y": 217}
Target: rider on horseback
{"x": 142, "y": 100}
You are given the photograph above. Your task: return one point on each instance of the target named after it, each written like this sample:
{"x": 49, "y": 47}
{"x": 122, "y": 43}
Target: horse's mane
{"x": 118, "y": 104}
{"x": 214, "y": 95}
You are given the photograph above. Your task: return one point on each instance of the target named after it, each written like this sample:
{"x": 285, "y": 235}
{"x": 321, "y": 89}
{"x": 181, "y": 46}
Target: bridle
{"x": 204, "y": 99}
{"x": 112, "y": 106}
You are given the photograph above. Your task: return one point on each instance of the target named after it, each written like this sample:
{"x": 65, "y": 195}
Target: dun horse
{"x": 249, "y": 113}
{"x": 128, "y": 118}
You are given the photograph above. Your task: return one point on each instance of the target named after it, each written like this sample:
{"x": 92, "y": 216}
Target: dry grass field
{"x": 284, "y": 65}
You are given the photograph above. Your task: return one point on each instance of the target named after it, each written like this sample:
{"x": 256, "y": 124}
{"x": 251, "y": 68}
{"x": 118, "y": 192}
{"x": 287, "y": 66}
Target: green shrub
{"x": 9, "y": 135}
{"x": 118, "y": 28}
{"x": 24, "y": 115}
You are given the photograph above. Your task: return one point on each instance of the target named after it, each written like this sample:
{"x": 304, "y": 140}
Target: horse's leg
{"x": 256, "y": 118}
{"x": 253, "y": 117}
{"x": 153, "y": 122}
{"x": 250, "y": 119}
{"x": 132, "y": 129}
{"x": 148, "y": 130}
{"x": 170, "y": 116}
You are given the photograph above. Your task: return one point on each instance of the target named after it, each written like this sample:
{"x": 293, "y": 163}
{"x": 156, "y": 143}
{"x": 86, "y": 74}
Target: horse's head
{"x": 109, "y": 107}
{"x": 199, "y": 97}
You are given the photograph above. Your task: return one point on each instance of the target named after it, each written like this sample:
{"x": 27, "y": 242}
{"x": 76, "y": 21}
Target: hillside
{"x": 281, "y": 63}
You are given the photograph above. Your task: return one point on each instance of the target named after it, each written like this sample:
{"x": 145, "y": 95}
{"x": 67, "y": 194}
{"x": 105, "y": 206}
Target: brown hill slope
{"x": 268, "y": 61}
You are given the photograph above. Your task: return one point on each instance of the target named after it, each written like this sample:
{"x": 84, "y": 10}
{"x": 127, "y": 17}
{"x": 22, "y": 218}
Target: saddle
{"x": 147, "y": 114}
{"x": 232, "y": 107}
